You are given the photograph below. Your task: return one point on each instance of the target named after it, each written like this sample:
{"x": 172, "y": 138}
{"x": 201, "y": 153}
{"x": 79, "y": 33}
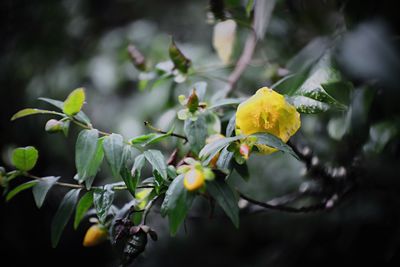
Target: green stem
{"x": 151, "y": 127}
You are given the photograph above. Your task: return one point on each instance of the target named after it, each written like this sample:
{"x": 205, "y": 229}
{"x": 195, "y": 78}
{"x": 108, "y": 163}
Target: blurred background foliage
{"x": 50, "y": 47}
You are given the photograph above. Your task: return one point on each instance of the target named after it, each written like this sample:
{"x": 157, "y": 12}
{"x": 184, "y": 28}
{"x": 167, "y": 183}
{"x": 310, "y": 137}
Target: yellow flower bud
{"x": 95, "y": 235}
{"x": 212, "y": 139}
{"x": 267, "y": 111}
{"x": 193, "y": 180}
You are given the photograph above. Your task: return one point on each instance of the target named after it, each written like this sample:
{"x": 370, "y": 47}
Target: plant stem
{"x": 87, "y": 126}
{"x": 151, "y": 127}
{"x": 79, "y": 186}
{"x": 248, "y": 50}
{"x": 313, "y": 208}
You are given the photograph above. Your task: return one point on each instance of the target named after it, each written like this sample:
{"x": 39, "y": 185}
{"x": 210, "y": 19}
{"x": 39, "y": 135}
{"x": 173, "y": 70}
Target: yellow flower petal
{"x": 193, "y": 180}
{"x": 95, "y": 235}
{"x": 267, "y": 111}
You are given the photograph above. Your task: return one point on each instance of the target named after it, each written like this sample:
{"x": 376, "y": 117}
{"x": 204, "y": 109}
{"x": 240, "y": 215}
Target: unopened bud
{"x": 95, "y": 235}
{"x": 193, "y": 180}
{"x": 244, "y": 150}
{"x": 137, "y": 58}
{"x": 193, "y": 102}
{"x": 53, "y": 126}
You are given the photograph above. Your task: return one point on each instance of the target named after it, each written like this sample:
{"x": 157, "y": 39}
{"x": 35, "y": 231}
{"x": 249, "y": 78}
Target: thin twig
{"x": 151, "y": 127}
{"x": 247, "y": 52}
{"x": 79, "y": 186}
{"x": 88, "y": 127}
{"x": 313, "y": 208}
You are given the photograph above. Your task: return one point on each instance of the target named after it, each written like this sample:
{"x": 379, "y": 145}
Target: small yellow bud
{"x": 267, "y": 111}
{"x": 193, "y": 180}
{"x": 95, "y": 235}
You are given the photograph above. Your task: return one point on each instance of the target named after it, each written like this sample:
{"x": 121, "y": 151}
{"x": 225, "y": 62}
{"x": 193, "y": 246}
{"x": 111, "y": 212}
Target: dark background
{"x": 49, "y": 47}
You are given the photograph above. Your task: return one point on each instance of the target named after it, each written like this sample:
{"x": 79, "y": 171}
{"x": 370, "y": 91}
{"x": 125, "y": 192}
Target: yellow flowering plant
{"x": 212, "y": 136}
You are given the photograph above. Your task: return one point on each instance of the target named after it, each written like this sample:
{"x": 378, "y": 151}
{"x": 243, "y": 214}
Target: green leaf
{"x": 242, "y": 170}
{"x": 83, "y": 206}
{"x": 127, "y": 176}
{"x": 157, "y": 161}
{"x": 196, "y": 132}
{"x": 42, "y": 188}
{"x": 19, "y": 189}
{"x": 136, "y": 173}
{"x": 113, "y": 149}
{"x": 213, "y": 123}
{"x": 31, "y": 111}
{"x": 311, "y": 96}
{"x": 201, "y": 89}
{"x": 249, "y": 7}
{"x": 81, "y": 116}
{"x": 74, "y": 102}
{"x": 178, "y": 58}
{"x": 226, "y": 102}
{"x": 224, "y": 162}
{"x": 226, "y": 198}
{"x": 62, "y": 215}
{"x": 275, "y": 142}
{"x": 177, "y": 203}
{"x": 25, "y": 158}
{"x": 210, "y": 150}
{"x": 307, "y": 105}
{"x": 230, "y": 128}
{"x": 148, "y": 139}
{"x": 88, "y": 155}
{"x": 102, "y": 200}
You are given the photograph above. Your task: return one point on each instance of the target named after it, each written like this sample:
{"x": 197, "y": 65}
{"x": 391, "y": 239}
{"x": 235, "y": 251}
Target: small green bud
{"x": 183, "y": 169}
{"x": 137, "y": 58}
{"x": 208, "y": 174}
{"x": 182, "y": 100}
{"x": 54, "y": 126}
{"x": 193, "y": 102}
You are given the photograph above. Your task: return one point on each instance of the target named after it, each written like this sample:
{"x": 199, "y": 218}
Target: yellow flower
{"x": 95, "y": 235}
{"x": 267, "y": 111}
{"x": 193, "y": 180}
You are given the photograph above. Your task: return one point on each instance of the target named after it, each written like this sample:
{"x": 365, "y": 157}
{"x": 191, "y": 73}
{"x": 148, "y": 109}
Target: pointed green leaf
{"x": 102, "y": 200}
{"x": 148, "y": 139}
{"x": 196, "y": 132}
{"x": 136, "y": 173}
{"x": 176, "y": 204}
{"x": 19, "y": 189}
{"x": 226, "y": 102}
{"x": 74, "y": 102}
{"x": 224, "y": 162}
{"x": 157, "y": 161}
{"x": 81, "y": 116}
{"x": 210, "y": 150}
{"x": 62, "y": 215}
{"x": 226, "y": 198}
{"x": 42, "y": 188}
{"x": 275, "y": 142}
{"x": 230, "y": 128}
{"x": 25, "y": 158}
{"x": 88, "y": 155}
{"x": 83, "y": 206}
{"x": 31, "y": 111}
{"x": 113, "y": 150}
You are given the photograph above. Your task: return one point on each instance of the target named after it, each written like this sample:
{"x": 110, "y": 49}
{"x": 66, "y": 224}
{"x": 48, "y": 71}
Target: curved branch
{"x": 313, "y": 208}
